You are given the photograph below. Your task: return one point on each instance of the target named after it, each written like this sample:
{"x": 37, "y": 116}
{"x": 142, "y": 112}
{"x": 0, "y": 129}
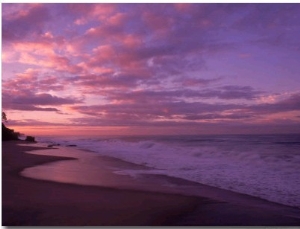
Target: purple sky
{"x": 151, "y": 68}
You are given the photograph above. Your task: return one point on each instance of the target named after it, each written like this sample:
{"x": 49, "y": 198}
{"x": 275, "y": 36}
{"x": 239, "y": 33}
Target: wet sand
{"x": 121, "y": 201}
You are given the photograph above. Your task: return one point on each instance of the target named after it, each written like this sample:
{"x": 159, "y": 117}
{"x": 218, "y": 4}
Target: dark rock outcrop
{"x": 71, "y": 145}
{"x": 9, "y": 134}
{"x": 30, "y": 139}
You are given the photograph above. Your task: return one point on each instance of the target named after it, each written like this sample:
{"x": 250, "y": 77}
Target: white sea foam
{"x": 262, "y": 166}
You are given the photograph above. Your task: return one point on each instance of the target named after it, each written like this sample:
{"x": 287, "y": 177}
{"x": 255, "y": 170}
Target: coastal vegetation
{"x": 8, "y": 134}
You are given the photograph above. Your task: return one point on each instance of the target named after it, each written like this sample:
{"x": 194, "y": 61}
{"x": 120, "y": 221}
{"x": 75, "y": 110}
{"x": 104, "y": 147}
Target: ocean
{"x": 265, "y": 166}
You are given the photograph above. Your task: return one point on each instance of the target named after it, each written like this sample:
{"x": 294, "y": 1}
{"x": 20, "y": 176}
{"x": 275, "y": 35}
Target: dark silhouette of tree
{"x": 8, "y": 134}
{"x": 4, "y": 118}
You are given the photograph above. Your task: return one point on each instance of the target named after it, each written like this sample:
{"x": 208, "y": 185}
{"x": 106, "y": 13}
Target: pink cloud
{"x": 123, "y": 59}
{"x": 31, "y": 81}
{"x": 27, "y": 21}
{"x": 132, "y": 41}
{"x": 62, "y": 63}
{"x": 29, "y": 101}
{"x": 106, "y": 33}
{"x": 101, "y": 11}
{"x": 51, "y": 61}
{"x": 43, "y": 53}
{"x": 92, "y": 83}
{"x": 183, "y": 7}
{"x": 104, "y": 52}
{"x": 97, "y": 69}
{"x": 117, "y": 19}
{"x": 91, "y": 12}
{"x": 159, "y": 23}
{"x": 29, "y": 91}
{"x": 15, "y": 11}
{"x": 38, "y": 48}
{"x": 22, "y": 83}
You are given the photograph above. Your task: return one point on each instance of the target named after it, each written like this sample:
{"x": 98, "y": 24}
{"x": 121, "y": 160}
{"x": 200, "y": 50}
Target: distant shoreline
{"x": 45, "y": 203}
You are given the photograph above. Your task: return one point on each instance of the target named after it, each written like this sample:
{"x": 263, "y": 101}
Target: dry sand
{"x": 31, "y": 202}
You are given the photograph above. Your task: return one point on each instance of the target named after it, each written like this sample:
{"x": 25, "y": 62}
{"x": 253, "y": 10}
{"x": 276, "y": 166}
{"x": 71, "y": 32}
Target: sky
{"x": 99, "y": 68}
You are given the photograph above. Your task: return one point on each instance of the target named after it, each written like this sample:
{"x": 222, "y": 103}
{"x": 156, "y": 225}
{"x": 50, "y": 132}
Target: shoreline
{"x": 114, "y": 173}
{"x": 157, "y": 209}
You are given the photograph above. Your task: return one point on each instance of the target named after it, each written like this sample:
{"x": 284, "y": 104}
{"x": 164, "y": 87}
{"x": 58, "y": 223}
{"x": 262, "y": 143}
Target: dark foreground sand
{"x": 30, "y": 202}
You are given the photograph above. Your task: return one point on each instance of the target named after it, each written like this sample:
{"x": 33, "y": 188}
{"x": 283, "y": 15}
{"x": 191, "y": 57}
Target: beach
{"x": 119, "y": 200}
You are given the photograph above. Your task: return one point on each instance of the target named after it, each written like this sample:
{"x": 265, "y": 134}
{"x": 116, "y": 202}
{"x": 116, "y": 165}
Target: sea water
{"x": 265, "y": 166}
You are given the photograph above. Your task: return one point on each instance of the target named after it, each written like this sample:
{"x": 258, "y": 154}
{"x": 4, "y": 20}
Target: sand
{"x": 33, "y": 202}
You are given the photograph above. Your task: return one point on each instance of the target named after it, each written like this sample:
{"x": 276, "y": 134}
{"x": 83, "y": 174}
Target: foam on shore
{"x": 93, "y": 169}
